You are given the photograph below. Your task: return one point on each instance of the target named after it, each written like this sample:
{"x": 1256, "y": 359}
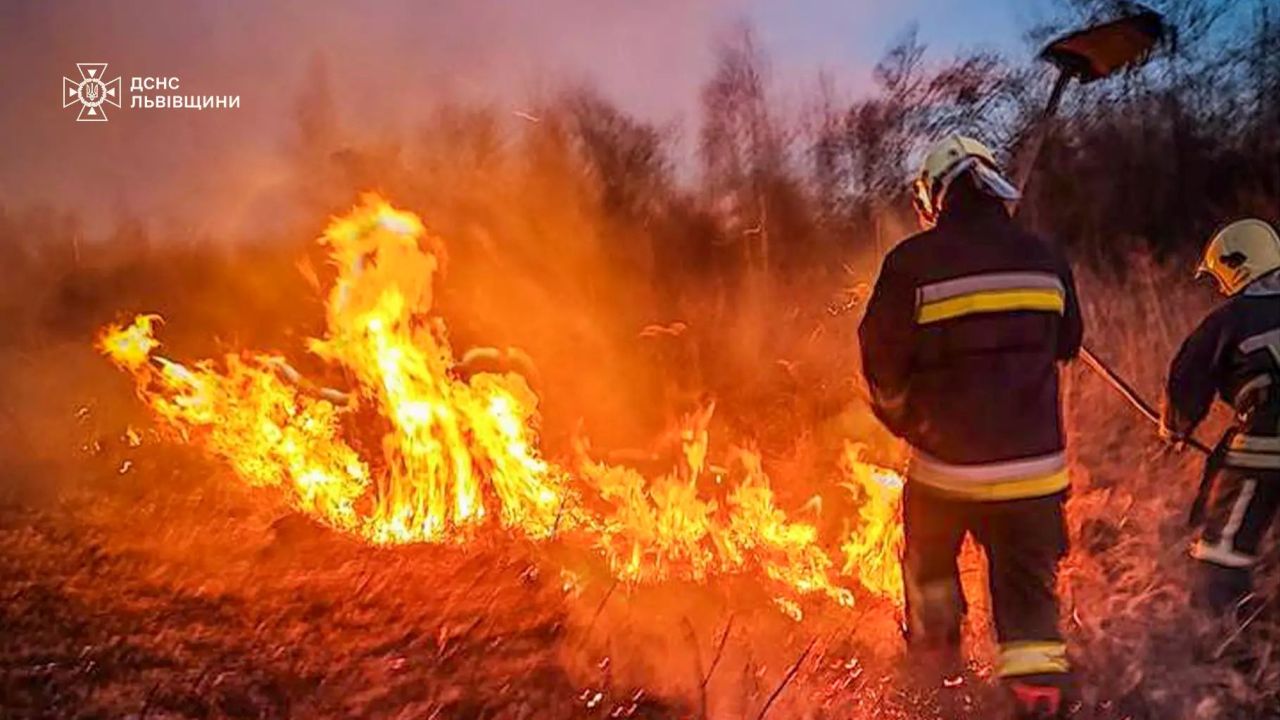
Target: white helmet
{"x": 947, "y": 160}
{"x": 1240, "y": 253}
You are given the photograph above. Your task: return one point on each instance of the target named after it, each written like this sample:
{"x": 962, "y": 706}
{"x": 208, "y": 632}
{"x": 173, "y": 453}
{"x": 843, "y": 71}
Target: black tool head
{"x": 1101, "y": 49}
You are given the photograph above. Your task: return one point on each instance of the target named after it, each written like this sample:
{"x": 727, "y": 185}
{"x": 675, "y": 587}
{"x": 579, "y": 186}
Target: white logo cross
{"x": 91, "y": 91}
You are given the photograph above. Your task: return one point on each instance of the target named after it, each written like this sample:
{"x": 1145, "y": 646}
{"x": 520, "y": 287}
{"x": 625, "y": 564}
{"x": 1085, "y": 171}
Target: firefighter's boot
{"x": 1040, "y": 697}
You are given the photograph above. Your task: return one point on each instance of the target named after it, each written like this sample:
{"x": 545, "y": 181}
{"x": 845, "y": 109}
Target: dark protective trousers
{"x": 1243, "y": 504}
{"x": 1023, "y": 539}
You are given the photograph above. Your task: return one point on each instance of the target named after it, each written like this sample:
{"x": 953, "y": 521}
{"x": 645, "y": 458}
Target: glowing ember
{"x": 458, "y": 452}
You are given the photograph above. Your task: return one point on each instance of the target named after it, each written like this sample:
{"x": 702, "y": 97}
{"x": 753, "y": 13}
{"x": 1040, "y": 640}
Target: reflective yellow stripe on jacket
{"x": 989, "y": 293}
{"x": 1007, "y": 480}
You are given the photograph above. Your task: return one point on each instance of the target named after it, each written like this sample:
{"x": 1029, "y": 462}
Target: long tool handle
{"x": 1127, "y": 391}
{"x": 1036, "y": 143}
{"x": 1024, "y": 175}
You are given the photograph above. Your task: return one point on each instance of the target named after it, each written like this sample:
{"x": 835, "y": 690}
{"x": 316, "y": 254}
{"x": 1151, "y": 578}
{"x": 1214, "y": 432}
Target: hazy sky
{"x": 389, "y": 59}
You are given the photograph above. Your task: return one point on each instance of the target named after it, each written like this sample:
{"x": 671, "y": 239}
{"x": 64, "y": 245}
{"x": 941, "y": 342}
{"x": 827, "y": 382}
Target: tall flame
{"x": 873, "y": 553}
{"x": 412, "y": 451}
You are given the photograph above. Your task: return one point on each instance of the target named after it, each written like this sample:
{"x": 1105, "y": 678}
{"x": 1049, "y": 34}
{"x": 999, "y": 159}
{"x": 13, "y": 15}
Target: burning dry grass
{"x": 1143, "y": 650}
{"x": 140, "y": 580}
{"x": 456, "y": 450}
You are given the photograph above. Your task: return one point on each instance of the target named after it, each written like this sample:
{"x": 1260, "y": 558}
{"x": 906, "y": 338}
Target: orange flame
{"x": 874, "y": 551}
{"x": 457, "y": 452}
{"x": 130, "y": 346}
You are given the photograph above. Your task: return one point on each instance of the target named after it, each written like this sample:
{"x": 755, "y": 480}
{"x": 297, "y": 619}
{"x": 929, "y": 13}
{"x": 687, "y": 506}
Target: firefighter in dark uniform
{"x": 1235, "y": 355}
{"x": 961, "y": 343}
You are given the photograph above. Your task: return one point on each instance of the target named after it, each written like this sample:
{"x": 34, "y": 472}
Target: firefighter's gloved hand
{"x": 1175, "y": 428}
{"x": 1175, "y": 438}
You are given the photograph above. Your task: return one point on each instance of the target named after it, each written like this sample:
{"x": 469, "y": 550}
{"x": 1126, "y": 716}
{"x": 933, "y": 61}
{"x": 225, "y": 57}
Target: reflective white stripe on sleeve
{"x": 1257, "y": 383}
{"x": 1252, "y": 460}
{"x": 1269, "y": 341}
{"x": 1256, "y": 443}
{"x": 1258, "y": 452}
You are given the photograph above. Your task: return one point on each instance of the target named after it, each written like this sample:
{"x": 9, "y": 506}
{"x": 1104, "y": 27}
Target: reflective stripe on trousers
{"x": 1032, "y": 657}
{"x": 1023, "y": 541}
{"x": 1240, "y": 512}
{"x": 1223, "y": 551}
{"x": 1006, "y": 480}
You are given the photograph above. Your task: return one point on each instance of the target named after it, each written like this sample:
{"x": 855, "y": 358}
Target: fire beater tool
{"x": 1126, "y": 40}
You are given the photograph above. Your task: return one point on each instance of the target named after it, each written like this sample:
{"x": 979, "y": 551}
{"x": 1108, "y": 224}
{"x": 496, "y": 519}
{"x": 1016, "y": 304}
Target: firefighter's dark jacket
{"x": 960, "y": 345}
{"x": 1234, "y": 354}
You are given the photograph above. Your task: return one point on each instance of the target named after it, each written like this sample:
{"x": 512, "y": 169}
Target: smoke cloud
{"x": 197, "y": 172}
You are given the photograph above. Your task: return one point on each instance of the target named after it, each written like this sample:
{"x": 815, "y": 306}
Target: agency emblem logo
{"x": 92, "y": 91}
